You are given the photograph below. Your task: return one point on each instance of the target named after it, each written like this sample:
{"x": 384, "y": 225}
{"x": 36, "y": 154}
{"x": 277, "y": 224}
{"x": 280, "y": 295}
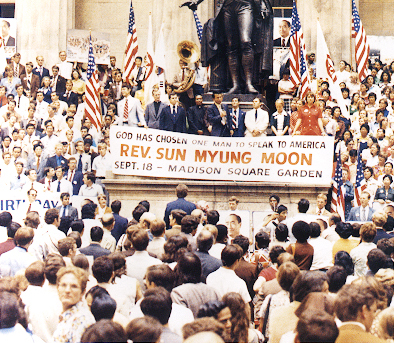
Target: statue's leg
{"x": 245, "y": 24}
{"x": 230, "y": 25}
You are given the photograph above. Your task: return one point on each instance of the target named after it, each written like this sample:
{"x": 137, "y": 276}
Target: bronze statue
{"x": 242, "y": 29}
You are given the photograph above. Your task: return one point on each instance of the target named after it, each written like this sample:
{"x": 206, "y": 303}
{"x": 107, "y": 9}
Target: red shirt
{"x": 309, "y": 120}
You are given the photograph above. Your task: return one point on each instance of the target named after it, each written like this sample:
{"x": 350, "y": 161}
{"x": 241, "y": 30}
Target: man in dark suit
{"x": 58, "y": 159}
{"x": 36, "y": 161}
{"x": 73, "y": 175}
{"x": 179, "y": 204}
{"x": 18, "y": 68}
{"x": 120, "y": 226}
{"x": 154, "y": 110}
{"x": 65, "y": 209}
{"x": 173, "y": 117}
{"x": 362, "y": 213}
{"x": 69, "y": 96}
{"x": 115, "y": 87}
{"x": 58, "y": 82}
{"x": 5, "y": 32}
{"x": 197, "y": 118}
{"x": 40, "y": 71}
{"x": 217, "y": 116}
{"x": 30, "y": 81}
{"x": 236, "y": 119}
{"x": 284, "y": 32}
{"x": 208, "y": 263}
{"x": 95, "y": 249}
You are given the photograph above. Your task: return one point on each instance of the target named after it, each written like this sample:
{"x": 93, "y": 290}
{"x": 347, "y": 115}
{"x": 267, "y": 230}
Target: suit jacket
{"x": 22, "y": 69}
{"x": 208, "y": 263}
{"x": 135, "y": 112}
{"x": 51, "y": 162}
{"x": 239, "y": 131}
{"x": 77, "y": 181}
{"x": 86, "y": 162}
{"x": 72, "y": 98}
{"x": 10, "y": 41}
{"x": 120, "y": 226}
{"x": 218, "y": 128}
{"x": 60, "y": 84}
{"x": 112, "y": 92}
{"x": 197, "y": 119}
{"x": 151, "y": 118}
{"x": 249, "y": 273}
{"x": 34, "y": 86}
{"x": 169, "y": 122}
{"x": 71, "y": 212}
{"x": 278, "y": 42}
{"x": 260, "y": 124}
{"x": 179, "y": 204}
{"x": 32, "y": 164}
{"x": 286, "y": 121}
{"x": 355, "y": 214}
{"x": 45, "y": 72}
{"x": 95, "y": 250}
{"x": 381, "y": 194}
{"x": 354, "y": 333}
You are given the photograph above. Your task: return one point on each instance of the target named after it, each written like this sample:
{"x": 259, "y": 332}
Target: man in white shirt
{"x": 108, "y": 242}
{"x": 22, "y": 101}
{"x": 65, "y": 68}
{"x": 90, "y": 189}
{"x": 61, "y": 185}
{"x": 50, "y": 139}
{"x": 41, "y": 106}
{"x": 129, "y": 110}
{"x": 102, "y": 162}
{"x": 256, "y": 120}
{"x": 322, "y": 249}
{"x": 32, "y": 182}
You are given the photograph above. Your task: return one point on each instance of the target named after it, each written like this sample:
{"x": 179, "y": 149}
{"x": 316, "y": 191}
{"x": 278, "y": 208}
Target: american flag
{"x": 131, "y": 46}
{"x": 92, "y": 105}
{"x": 361, "y": 45}
{"x": 338, "y": 199}
{"x": 198, "y": 25}
{"x": 360, "y": 185}
{"x": 298, "y": 71}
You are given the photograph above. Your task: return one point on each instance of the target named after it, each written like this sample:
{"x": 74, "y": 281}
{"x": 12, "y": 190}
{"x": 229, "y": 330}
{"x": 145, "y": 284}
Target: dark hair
{"x": 64, "y": 245}
{"x": 103, "y": 307}
{"x": 315, "y": 229}
{"x": 275, "y": 197}
{"x": 96, "y": 233}
{"x": 243, "y": 242}
{"x": 188, "y": 269}
{"x": 178, "y": 215}
{"x": 77, "y": 225}
{"x": 344, "y": 230}
{"x": 343, "y": 259}
{"x": 365, "y": 126}
{"x": 9, "y": 310}
{"x": 213, "y": 217}
{"x": 388, "y": 177}
{"x": 211, "y": 309}
{"x": 173, "y": 247}
{"x": 231, "y": 254}
{"x": 116, "y": 206}
{"x": 316, "y": 326}
{"x": 303, "y": 205}
{"x": 104, "y": 330}
{"x": 139, "y": 238}
{"x": 138, "y": 211}
{"x": 353, "y": 153}
{"x": 222, "y": 233}
{"x": 88, "y": 211}
{"x": 102, "y": 268}
{"x": 386, "y": 245}
{"x": 181, "y": 190}
{"x": 145, "y": 203}
{"x": 281, "y": 232}
{"x": 336, "y": 278}
{"x": 12, "y": 228}
{"x": 307, "y": 282}
{"x": 157, "y": 303}
{"x": 189, "y": 223}
{"x": 53, "y": 263}
{"x": 262, "y": 240}
{"x": 301, "y": 231}
{"x": 35, "y": 273}
{"x": 145, "y": 329}
{"x": 274, "y": 253}
{"x": 65, "y": 223}
{"x": 377, "y": 259}
{"x": 80, "y": 261}
{"x": 205, "y": 240}
{"x": 162, "y": 276}
{"x": 281, "y": 208}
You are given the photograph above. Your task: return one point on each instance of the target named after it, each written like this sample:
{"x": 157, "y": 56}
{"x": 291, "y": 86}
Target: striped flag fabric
{"x": 92, "y": 103}
{"x": 198, "y": 25}
{"x": 360, "y": 184}
{"x": 131, "y": 45}
{"x": 338, "y": 198}
{"x": 361, "y": 44}
{"x": 298, "y": 71}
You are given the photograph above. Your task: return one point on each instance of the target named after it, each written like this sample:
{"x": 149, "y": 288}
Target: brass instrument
{"x": 188, "y": 52}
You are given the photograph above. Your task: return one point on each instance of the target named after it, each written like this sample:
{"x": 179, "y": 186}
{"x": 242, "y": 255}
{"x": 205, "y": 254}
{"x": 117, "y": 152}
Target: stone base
{"x": 253, "y": 196}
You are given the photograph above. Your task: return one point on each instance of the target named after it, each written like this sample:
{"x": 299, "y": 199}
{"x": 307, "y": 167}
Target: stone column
{"x": 42, "y": 28}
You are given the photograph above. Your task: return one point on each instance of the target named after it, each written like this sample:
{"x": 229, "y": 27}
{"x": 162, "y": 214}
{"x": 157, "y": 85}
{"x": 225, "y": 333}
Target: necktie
{"x": 28, "y": 82}
{"x": 234, "y": 119}
{"x": 68, "y": 95}
{"x": 19, "y": 101}
{"x": 16, "y": 70}
{"x": 139, "y": 74}
{"x": 69, "y": 148}
{"x": 58, "y": 187}
{"x": 319, "y": 211}
{"x": 19, "y": 177}
{"x": 38, "y": 163}
{"x": 29, "y": 208}
{"x": 41, "y": 71}
{"x": 283, "y": 42}
{"x": 126, "y": 110}
{"x": 255, "y": 114}
{"x": 79, "y": 168}
{"x": 363, "y": 215}
{"x": 49, "y": 185}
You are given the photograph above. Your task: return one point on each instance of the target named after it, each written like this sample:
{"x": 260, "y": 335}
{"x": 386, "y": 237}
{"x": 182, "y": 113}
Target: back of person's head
{"x": 173, "y": 246}
{"x": 281, "y": 232}
{"x": 104, "y": 330}
{"x": 243, "y": 242}
{"x": 213, "y": 217}
{"x": 181, "y": 190}
{"x": 368, "y": 232}
{"x": 274, "y": 253}
{"x": 204, "y": 241}
{"x": 80, "y": 261}
{"x": 189, "y": 224}
{"x": 203, "y": 330}
{"x": 145, "y": 203}
{"x": 9, "y": 310}
{"x": 231, "y": 254}
{"x": 35, "y": 273}
{"x": 103, "y": 307}
{"x": 211, "y": 308}
{"x": 377, "y": 259}
{"x": 389, "y": 225}
{"x": 32, "y": 219}
{"x": 336, "y": 278}
{"x": 307, "y": 282}
{"x": 379, "y": 218}
{"x": 334, "y": 219}
{"x": 315, "y": 229}
{"x": 116, "y": 205}
{"x": 138, "y": 237}
{"x": 24, "y": 235}
{"x": 222, "y": 233}
{"x": 178, "y": 215}
{"x": 161, "y": 275}
{"x": 386, "y": 245}
{"x": 262, "y": 239}
{"x": 212, "y": 229}
{"x": 77, "y": 238}
{"x": 103, "y": 269}
{"x": 285, "y": 257}
{"x": 316, "y": 326}
{"x": 107, "y": 220}
{"x": 157, "y": 303}
{"x": 88, "y": 211}
{"x": 301, "y": 231}
{"x": 96, "y": 234}
{"x": 65, "y": 223}
{"x": 385, "y": 325}
{"x": 343, "y": 259}
{"x": 344, "y": 230}
{"x": 51, "y": 215}
{"x": 286, "y": 275}
{"x": 157, "y": 227}
{"x": 303, "y": 205}
{"x": 12, "y": 229}
{"x": 53, "y": 263}
{"x": 188, "y": 268}
{"x": 77, "y": 225}
{"x": 5, "y": 219}
{"x": 64, "y": 245}
{"x": 145, "y": 329}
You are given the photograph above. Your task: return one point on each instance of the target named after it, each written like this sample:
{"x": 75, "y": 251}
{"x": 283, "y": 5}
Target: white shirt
{"x": 322, "y": 253}
{"x": 65, "y": 186}
{"x": 359, "y": 256}
{"x": 65, "y": 69}
{"x": 47, "y": 243}
{"x": 92, "y": 191}
{"x": 102, "y": 164}
{"x": 260, "y": 124}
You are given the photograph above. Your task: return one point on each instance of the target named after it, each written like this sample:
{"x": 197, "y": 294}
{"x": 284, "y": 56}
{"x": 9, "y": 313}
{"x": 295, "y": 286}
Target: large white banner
{"x": 303, "y": 160}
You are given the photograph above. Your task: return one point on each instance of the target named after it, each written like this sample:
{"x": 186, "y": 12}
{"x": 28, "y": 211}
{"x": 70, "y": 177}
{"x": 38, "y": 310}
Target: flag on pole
{"x": 131, "y": 45}
{"x": 361, "y": 44}
{"x": 92, "y": 103}
{"x": 360, "y": 185}
{"x": 338, "y": 199}
{"x": 298, "y": 72}
{"x": 198, "y": 25}
{"x": 150, "y": 77}
{"x": 160, "y": 61}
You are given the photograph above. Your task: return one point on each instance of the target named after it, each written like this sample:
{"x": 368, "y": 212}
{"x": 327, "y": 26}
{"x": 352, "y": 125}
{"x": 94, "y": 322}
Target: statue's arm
{"x": 192, "y": 4}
